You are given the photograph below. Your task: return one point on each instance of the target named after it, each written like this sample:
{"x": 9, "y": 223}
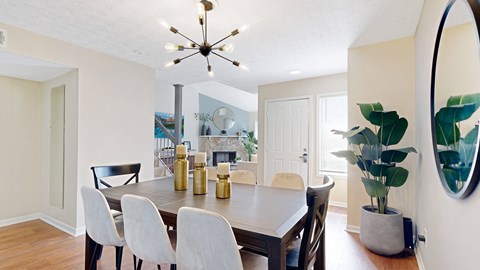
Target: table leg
{"x": 91, "y": 251}
{"x": 277, "y": 255}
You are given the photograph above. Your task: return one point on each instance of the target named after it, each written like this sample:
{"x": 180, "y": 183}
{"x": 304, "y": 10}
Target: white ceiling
{"x": 308, "y": 35}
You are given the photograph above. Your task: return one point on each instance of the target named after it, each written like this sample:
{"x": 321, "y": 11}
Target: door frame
{"x": 311, "y": 111}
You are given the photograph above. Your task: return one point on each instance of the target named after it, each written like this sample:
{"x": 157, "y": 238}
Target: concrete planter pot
{"x": 382, "y": 233}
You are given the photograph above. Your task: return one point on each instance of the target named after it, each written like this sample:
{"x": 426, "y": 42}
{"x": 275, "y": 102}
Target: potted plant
{"x": 250, "y": 144}
{"x": 381, "y": 228}
{"x": 204, "y": 117}
{"x": 456, "y": 153}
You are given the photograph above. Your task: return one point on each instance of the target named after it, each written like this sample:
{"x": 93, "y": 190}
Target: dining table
{"x": 263, "y": 219}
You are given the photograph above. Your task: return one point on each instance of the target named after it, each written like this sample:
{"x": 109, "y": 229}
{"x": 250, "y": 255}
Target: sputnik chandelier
{"x": 204, "y": 48}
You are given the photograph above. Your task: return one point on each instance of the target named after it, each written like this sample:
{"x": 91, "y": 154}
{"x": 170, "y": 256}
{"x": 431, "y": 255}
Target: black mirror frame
{"x": 474, "y": 178}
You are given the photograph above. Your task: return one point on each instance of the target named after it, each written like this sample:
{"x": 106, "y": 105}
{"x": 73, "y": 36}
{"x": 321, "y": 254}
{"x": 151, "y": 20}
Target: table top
{"x": 267, "y": 211}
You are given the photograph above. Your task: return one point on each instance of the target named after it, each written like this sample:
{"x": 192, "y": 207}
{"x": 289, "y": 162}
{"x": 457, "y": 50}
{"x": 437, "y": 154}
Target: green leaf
{"x": 462, "y": 172}
{"x": 369, "y": 136}
{"x": 348, "y": 155}
{"x": 450, "y": 177}
{"x": 446, "y": 133}
{"x": 449, "y": 157}
{"x": 464, "y": 99}
{"x": 380, "y": 169}
{"x": 396, "y": 155}
{"x": 381, "y": 118}
{"x": 396, "y": 177}
{"x": 392, "y": 134}
{"x": 455, "y": 113}
{"x": 371, "y": 152}
{"x": 367, "y": 108}
{"x": 364, "y": 166}
{"x": 374, "y": 188}
{"x": 472, "y": 135}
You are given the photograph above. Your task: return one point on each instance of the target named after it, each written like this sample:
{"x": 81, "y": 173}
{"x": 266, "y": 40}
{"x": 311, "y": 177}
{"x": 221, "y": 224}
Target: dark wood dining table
{"x": 263, "y": 219}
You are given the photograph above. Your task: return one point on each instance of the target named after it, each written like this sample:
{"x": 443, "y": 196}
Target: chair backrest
{"x": 313, "y": 239}
{"x": 205, "y": 241}
{"x": 211, "y": 173}
{"x": 98, "y": 220}
{"x": 145, "y": 231}
{"x": 243, "y": 177}
{"x": 288, "y": 180}
{"x": 100, "y": 172}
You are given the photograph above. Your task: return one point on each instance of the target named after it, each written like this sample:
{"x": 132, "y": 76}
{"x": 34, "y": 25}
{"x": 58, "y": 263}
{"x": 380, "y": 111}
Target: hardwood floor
{"x": 37, "y": 245}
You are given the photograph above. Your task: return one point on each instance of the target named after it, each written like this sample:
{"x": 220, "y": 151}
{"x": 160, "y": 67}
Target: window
{"x": 332, "y": 114}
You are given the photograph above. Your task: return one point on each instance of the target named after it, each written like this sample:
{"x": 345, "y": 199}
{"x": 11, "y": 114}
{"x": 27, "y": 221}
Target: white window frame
{"x": 318, "y": 170}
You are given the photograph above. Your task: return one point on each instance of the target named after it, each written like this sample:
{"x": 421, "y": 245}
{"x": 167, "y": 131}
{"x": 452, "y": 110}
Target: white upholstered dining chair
{"x": 288, "y": 180}
{"x": 100, "y": 225}
{"x": 145, "y": 232}
{"x": 243, "y": 177}
{"x": 205, "y": 241}
{"x": 211, "y": 173}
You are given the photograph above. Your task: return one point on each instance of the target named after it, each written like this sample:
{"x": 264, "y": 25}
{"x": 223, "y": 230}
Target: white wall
{"x": 115, "y": 108}
{"x": 383, "y": 72}
{"x": 307, "y": 87}
{"x": 21, "y": 147}
{"x": 452, "y": 225}
{"x": 165, "y": 102}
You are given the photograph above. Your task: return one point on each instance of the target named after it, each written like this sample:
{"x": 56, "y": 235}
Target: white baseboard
{"x": 20, "y": 219}
{"x": 352, "y": 229}
{"x": 338, "y": 204}
{"x": 421, "y": 266}
{"x": 45, "y": 218}
{"x": 62, "y": 226}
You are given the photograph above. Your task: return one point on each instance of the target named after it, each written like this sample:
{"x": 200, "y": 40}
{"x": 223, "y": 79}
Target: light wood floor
{"x": 37, "y": 245}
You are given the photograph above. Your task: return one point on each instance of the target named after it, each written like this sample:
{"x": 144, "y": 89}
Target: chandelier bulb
{"x": 169, "y": 47}
{"x": 226, "y": 48}
{"x": 164, "y": 24}
{"x": 243, "y": 28}
{"x": 201, "y": 8}
{"x": 171, "y": 63}
{"x": 210, "y": 72}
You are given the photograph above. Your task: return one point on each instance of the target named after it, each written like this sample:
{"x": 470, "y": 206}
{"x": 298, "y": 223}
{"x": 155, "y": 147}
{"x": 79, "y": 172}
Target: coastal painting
{"x": 168, "y": 120}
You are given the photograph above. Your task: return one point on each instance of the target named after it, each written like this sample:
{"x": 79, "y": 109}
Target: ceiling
{"x": 308, "y": 35}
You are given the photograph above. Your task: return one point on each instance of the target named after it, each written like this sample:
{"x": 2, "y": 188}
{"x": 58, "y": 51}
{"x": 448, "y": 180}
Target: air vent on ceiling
{"x": 3, "y": 38}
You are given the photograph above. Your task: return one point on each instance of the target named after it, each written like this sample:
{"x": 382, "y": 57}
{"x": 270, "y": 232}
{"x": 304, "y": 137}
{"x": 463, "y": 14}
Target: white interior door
{"x": 287, "y": 132}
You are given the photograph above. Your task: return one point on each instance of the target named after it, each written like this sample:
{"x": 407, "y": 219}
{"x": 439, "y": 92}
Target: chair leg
{"x": 159, "y": 267}
{"x": 139, "y": 264}
{"x": 118, "y": 256}
{"x": 134, "y": 262}
{"x": 100, "y": 251}
{"x": 93, "y": 261}
{"x": 173, "y": 267}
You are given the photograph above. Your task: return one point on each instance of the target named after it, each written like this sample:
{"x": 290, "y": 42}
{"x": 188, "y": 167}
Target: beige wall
{"x": 21, "y": 147}
{"x": 452, "y": 225}
{"x": 115, "y": 108}
{"x": 383, "y": 72}
{"x": 68, "y": 212}
{"x": 302, "y": 88}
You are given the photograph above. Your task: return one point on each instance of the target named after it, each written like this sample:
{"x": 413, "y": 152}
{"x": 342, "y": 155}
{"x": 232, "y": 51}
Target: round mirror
{"x": 455, "y": 98}
{"x": 223, "y": 119}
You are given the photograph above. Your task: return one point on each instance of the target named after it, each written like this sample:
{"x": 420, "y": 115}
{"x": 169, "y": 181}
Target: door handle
{"x": 304, "y": 157}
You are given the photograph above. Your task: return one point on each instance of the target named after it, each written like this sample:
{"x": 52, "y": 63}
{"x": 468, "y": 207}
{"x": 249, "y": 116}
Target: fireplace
{"x": 223, "y": 156}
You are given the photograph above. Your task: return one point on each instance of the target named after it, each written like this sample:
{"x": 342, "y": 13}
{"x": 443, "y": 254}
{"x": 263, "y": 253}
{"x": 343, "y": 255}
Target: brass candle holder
{"x": 200, "y": 179}
{"x": 223, "y": 186}
{"x": 180, "y": 172}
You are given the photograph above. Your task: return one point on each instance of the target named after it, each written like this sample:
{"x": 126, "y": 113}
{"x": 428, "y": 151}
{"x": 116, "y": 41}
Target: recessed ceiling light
{"x": 295, "y": 72}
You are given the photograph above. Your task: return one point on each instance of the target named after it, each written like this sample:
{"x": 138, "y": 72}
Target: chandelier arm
{"x": 221, "y": 56}
{"x": 189, "y": 55}
{"x": 206, "y": 28}
{"x": 178, "y": 32}
{"x": 208, "y": 61}
{"x": 222, "y": 40}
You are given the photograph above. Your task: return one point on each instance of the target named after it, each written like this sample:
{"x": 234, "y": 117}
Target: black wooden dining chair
{"x": 303, "y": 253}
{"x": 100, "y": 172}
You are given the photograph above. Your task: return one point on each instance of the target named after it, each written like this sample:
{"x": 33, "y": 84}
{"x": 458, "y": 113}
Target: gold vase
{"x": 223, "y": 186}
{"x": 200, "y": 179}
{"x": 181, "y": 172}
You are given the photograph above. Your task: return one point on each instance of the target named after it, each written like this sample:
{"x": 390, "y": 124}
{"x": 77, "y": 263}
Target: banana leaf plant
{"x": 371, "y": 151}
{"x": 456, "y": 153}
